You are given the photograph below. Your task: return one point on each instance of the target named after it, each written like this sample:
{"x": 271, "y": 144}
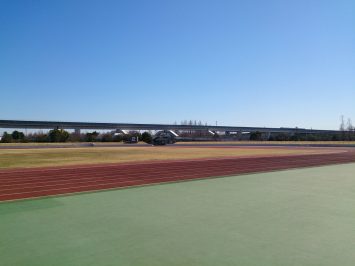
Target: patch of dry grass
{"x": 10, "y": 158}
{"x": 66, "y": 144}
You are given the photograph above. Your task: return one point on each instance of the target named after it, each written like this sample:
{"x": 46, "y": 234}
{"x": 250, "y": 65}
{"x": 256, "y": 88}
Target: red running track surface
{"x": 40, "y": 182}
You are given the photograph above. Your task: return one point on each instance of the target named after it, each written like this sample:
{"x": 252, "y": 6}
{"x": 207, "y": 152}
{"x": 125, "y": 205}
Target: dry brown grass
{"x": 13, "y": 158}
{"x": 271, "y": 142}
{"x": 66, "y": 144}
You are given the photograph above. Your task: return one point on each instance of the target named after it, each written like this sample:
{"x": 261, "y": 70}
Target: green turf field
{"x": 297, "y": 217}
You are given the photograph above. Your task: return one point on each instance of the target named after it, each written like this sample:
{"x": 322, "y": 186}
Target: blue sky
{"x": 248, "y": 63}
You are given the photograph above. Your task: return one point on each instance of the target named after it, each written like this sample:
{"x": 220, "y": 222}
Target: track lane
{"x": 49, "y": 182}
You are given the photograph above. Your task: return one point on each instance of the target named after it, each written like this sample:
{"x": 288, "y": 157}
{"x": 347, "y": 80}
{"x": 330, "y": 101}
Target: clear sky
{"x": 247, "y": 63}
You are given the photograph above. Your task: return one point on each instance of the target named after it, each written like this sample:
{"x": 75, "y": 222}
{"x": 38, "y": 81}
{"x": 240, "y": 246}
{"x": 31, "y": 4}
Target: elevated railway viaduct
{"x": 77, "y": 126}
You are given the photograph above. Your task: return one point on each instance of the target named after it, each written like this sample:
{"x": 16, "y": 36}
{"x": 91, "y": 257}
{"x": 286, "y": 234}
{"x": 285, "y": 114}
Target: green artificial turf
{"x": 297, "y": 217}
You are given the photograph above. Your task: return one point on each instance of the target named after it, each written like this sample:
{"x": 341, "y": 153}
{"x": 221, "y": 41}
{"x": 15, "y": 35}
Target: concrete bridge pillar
{"x": 239, "y": 135}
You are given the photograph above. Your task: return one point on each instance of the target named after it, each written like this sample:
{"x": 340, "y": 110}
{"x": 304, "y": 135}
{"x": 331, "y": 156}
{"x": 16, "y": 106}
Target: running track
{"x": 40, "y": 182}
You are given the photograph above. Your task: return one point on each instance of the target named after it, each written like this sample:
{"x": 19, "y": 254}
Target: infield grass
{"x": 77, "y": 144}
{"x": 270, "y": 143}
{"x": 297, "y": 217}
{"x": 13, "y": 158}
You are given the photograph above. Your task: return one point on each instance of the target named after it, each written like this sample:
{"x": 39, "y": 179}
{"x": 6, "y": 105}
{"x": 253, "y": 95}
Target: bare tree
{"x": 342, "y": 123}
{"x": 351, "y": 129}
{"x": 349, "y": 125}
{"x": 342, "y": 127}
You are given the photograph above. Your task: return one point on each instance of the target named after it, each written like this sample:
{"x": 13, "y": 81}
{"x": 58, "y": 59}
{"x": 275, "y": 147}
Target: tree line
{"x": 61, "y": 135}
{"x": 342, "y": 136}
